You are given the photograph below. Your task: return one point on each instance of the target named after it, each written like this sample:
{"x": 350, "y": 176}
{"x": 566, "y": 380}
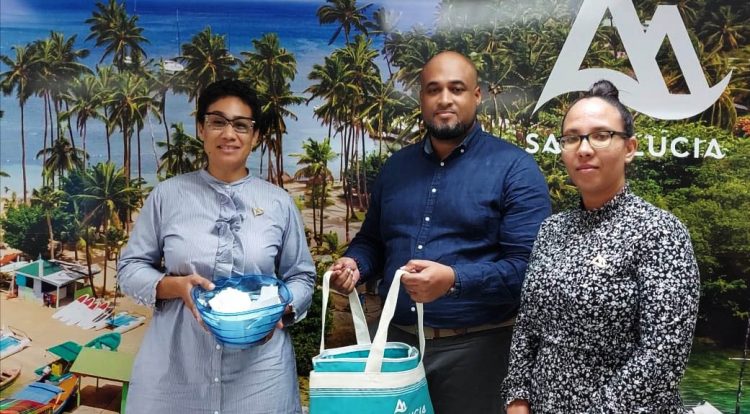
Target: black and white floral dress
{"x": 607, "y": 313}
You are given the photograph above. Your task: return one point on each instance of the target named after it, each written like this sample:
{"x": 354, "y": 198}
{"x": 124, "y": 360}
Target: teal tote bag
{"x": 375, "y": 377}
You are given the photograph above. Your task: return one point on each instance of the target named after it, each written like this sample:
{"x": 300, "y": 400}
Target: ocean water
{"x": 164, "y": 22}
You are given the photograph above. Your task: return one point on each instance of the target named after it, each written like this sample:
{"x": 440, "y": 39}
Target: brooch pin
{"x": 599, "y": 261}
{"x": 257, "y": 211}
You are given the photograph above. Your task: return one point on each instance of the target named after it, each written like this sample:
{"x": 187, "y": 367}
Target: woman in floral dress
{"x": 611, "y": 292}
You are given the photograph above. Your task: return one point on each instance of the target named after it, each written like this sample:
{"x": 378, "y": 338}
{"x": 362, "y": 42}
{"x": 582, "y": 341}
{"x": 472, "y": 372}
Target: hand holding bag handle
{"x": 375, "y": 359}
{"x": 358, "y": 315}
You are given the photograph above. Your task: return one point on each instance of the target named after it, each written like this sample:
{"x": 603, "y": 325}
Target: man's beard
{"x": 447, "y": 132}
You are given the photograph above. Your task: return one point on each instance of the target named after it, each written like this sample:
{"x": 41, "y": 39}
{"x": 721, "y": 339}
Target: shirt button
{"x": 218, "y": 347}
{"x": 462, "y": 150}
{"x": 442, "y": 164}
{"x": 413, "y": 309}
{"x": 216, "y": 379}
{"x": 419, "y": 247}
{"x": 434, "y": 190}
{"x": 426, "y": 219}
{"x": 216, "y": 412}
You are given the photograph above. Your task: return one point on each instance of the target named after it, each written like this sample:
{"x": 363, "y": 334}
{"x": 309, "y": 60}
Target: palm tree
{"x": 359, "y": 56}
{"x": 346, "y": 14}
{"x": 383, "y": 103}
{"x": 66, "y": 67}
{"x": 88, "y": 238}
{"x": 107, "y": 199}
{"x": 20, "y": 73}
{"x": 86, "y": 100}
{"x": 44, "y": 77}
{"x": 112, "y": 27}
{"x": 206, "y": 60}
{"x": 183, "y": 155}
{"x": 272, "y": 68}
{"x": 315, "y": 159}
{"x": 724, "y": 30}
{"x": 161, "y": 82}
{"x": 333, "y": 87}
{"x": 61, "y": 157}
{"x": 49, "y": 200}
{"x": 126, "y": 102}
{"x": 105, "y": 83}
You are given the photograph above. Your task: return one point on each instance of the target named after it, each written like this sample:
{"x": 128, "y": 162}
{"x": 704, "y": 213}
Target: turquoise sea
{"x": 164, "y": 22}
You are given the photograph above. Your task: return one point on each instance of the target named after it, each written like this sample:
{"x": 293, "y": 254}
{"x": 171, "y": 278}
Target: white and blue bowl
{"x": 242, "y": 329}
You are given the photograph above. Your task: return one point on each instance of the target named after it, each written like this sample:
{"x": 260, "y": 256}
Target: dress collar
{"x": 216, "y": 183}
{"x": 609, "y": 209}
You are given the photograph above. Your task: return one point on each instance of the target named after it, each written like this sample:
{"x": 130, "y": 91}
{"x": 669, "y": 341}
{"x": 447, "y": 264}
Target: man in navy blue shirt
{"x": 459, "y": 211}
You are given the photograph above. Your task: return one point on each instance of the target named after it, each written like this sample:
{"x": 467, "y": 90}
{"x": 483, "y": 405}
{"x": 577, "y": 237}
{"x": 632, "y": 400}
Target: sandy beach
{"x": 36, "y": 321}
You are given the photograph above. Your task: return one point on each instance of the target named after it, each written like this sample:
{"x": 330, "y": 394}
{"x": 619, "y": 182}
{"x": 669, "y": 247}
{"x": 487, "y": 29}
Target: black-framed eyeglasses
{"x": 217, "y": 122}
{"x": 597, "y": 139}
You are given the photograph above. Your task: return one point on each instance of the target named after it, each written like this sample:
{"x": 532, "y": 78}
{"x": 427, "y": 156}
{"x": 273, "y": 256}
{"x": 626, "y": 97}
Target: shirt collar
{"x": 473, "y": 132}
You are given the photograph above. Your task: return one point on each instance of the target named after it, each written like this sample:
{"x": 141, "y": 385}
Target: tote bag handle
{"x": 375, "y": 359}
{"x": 358, "y": 315}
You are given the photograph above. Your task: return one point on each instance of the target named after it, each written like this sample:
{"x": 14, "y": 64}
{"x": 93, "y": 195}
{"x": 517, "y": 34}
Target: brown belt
{"x": 436, "y": 333}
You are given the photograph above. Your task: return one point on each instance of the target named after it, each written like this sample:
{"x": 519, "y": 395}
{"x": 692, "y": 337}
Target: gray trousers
{"x": 464, "y": 373}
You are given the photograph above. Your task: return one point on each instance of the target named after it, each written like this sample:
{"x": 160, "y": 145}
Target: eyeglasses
{"x": 597, "y": 139}
{"x": 217, "y": 122}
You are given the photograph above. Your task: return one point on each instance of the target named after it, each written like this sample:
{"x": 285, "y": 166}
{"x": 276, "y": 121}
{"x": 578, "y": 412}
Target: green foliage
{"x": 306, "y": 333}
{"x": 25, "y": 229}
{"x": 712, "y": 376}
{"x": 711, "y": 197}
{"x": 372, "y": 165}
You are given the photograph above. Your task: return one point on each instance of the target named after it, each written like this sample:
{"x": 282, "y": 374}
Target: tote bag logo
{"x": 649, "y": 93}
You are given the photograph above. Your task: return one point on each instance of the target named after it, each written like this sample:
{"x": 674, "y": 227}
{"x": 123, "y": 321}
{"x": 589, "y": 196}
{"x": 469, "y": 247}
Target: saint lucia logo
{"x": 648, "y": 94}
{"x": 400, "y": 407}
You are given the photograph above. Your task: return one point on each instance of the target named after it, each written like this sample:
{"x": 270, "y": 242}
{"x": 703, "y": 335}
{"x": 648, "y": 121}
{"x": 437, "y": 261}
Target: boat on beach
{"x": 67, "y": 352}
{"x": 8, "y": 375}
{"x": 11, "y": 341}
{"x": 125, "y": 322}
{"x": 41, "y": 397}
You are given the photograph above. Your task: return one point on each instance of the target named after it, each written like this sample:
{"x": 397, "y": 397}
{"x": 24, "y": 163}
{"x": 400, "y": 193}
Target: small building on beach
{"x": 48, "y": 282}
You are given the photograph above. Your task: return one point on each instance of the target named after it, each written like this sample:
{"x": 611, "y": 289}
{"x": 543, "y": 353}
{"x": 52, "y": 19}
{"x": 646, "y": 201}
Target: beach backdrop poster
{"x": 99, "y": 97}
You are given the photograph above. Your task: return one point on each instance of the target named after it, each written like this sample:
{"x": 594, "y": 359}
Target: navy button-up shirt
{"x": 478, "y": 211}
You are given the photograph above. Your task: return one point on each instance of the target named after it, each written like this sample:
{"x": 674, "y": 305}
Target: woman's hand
{"x": 518, "y": 407}
{"x": 279, "y": 324}
{"x": 174, "y": 287}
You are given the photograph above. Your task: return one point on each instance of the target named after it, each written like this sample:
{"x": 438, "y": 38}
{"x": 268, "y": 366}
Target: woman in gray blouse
{"x": 209, "y": 224}
{"x": 611, "y": 292}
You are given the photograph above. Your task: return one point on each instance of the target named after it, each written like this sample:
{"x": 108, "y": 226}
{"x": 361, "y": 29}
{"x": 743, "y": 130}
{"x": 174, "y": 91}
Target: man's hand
{"x": 344, "y": 275}
{"x": 518, "y": 407}
{"x": 426, "y": 281}
{"x": 174, "y": 287}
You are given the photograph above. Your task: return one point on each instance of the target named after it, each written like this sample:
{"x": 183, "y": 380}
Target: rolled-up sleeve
{"x": 140, "y": 267}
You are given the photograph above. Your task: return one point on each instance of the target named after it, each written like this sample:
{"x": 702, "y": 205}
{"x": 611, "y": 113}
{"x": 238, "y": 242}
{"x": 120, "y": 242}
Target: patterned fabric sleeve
{"x": 523, "y": 348}
{"x": 668, "y": 303}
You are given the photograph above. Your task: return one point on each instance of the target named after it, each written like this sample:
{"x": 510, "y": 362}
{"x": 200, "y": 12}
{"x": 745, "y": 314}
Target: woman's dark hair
{"x": 230, "y": 87}
{"x": 606, "y": 91}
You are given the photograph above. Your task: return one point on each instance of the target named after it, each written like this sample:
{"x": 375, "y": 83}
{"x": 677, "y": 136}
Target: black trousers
{"x": 464, "y": 373}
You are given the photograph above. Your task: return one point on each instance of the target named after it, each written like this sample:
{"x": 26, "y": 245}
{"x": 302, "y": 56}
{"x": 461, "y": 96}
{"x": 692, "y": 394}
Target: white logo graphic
{"x": 648, "y": 94}
{"x": 400, "y": 407}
